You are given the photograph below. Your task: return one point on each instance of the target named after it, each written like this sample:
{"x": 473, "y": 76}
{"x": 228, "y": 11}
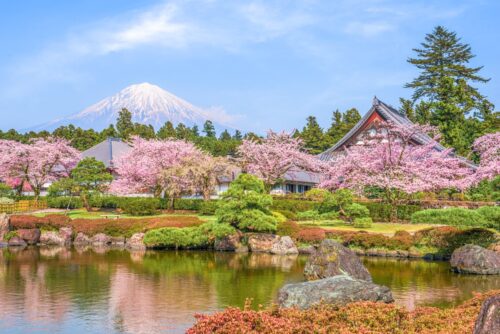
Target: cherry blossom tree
{"x": 142, "y": 170}
{"x": 272, "y": 157}
{"x": 392, "y": 161}
{"x": 36, "y": 163}
{"x": 204, "y": 171}
{"x": 488, "y": 147}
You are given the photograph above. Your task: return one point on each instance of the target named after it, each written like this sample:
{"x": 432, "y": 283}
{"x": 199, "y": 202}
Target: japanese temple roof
{"x": 108, "y": 151}
{"x": 388, "y": 113}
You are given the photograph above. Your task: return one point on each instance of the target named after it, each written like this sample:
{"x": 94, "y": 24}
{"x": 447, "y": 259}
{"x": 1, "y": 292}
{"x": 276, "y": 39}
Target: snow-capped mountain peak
{"x": 148, "y": 103}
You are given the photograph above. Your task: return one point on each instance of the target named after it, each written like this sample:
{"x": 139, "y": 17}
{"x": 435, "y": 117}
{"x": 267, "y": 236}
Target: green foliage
{"x": 309, "y": 215}
{"x": 140, "y": 206}
{"x": 362, "y": 222}
{"x": 9, "y": 235}
{"x": 317, "y": 194}
{"x": 187, "y": 204}
{"x": 459, "y": 217}
{"x": 486, "y": 190}
{"x": 5, "y": 191}
{"x": 312, "y": 136}
{"x": 337, "y": 201}
{"x": 293, "y": 205}
{"x": 62, "y": 187}
{"x": 201, "y": 236}
{"x": 246, "y": 205}
{"x": 381, "y": 212}
{"x": 290, "y": 215}
{"x": 208, "y": 208}
{"x": 356, "y": 210}
{"x": 341, "y": 124}
{"x": 209, "y": 129}
{"x": 64, "y": 202}
{"x": 280, "y": 218}
{"x": 289, "y": 228}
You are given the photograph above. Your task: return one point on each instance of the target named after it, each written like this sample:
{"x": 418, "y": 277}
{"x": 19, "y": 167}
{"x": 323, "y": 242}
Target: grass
{"x": 384, "y": 228}
{"x": 84, "y": 214}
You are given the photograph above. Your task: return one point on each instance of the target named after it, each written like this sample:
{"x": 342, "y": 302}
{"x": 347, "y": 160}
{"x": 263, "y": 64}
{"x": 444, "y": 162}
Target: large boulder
{"x": 17, "y": 241}
{"x": 30, "y": 235}
{"x": 473, "y": 259}
{"x": 261, "y": 242}
{"x": 61, "y": 238}
{"x": 338, "y": 290}
{"x": 488, "y": 320}
{"x": 229, "y": 243}
{"x": 4, "y": 225}
{"x": 136, "y": 242}
{"x": 284, "y": 246}
{"x": 81, "y": 239}
{"x": 101, "y": 239}
{"x": 67, "y": 234}
{"x": 332, "y": 259}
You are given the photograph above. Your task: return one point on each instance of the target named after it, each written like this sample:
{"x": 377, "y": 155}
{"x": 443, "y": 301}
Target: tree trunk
{"x": 86, "y": 203}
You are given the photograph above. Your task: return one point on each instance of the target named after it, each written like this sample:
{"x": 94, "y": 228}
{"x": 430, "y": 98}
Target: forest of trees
{"x": 443, "y": 95}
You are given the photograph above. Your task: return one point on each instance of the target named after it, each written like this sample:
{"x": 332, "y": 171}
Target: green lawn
{"x": 384, "y": 228}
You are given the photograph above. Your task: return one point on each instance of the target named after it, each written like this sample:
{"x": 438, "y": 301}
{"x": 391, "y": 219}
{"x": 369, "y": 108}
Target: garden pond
{"x": 58, "y": 290}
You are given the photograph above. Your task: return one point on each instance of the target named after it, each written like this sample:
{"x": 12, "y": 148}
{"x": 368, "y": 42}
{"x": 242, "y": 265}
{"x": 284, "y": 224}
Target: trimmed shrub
{"x": 356, "y": 210}
{"x": 311, "y": 235}
{"x": 193, "y": 204}
{"x": 64, "y": 202}
{"x": 450, "y": 216}
{"x": 491, "y": 214}
{"x": 140, "y": 206}
{"x": 288, "y": 214}
{"x": 308, "y": 215}
{"x": 280, "y": 218}
{"x": 317, "y": 194}
{"x": 208, "y": 208}
{"x": 362, "y": 222}
{"x": 381, "y": 212}
{"x": 289, "y": 228}
{"x": 293, "y": 205}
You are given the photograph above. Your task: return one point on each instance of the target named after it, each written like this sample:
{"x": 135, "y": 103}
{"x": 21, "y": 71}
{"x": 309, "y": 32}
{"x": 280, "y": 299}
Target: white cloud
{"x": 369, "y": 29}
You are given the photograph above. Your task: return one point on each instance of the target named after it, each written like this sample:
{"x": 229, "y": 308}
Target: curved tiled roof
{"x": 388, "y": 113}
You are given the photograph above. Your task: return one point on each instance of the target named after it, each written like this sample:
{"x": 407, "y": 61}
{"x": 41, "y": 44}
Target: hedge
{"x": 381, "y": 212}
{"x": 482, "y": 217}
{"x": 293, "y": 205}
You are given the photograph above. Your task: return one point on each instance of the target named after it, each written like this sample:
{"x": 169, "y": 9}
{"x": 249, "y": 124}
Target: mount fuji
{"x": 149, "y": 104}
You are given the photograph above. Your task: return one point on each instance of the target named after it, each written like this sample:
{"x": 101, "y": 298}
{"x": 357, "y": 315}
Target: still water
{"x": 55, "y": 290}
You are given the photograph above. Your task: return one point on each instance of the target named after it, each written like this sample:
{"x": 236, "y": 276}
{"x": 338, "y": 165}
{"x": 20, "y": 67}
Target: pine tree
{"x": 312, "y": 136}
{"x": 237, "y": 135}
{"x": 442, "y": 93}
{"x": 209, "y": 129}
{"x": 183, "y": 132}
{"x": 124, "y": 123}
{"x": 195, "y": 131}
{"x": 225, "y": 135}
{"x": 166, "y": 131}
{"x": 335, "y": 132}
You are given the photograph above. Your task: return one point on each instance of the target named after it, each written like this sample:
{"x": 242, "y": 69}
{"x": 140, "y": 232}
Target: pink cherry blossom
{"x": 142, "y": 170}
{"x": 39, "y": 162}
{"x": 488, "y": 146}
{"x": 274, "y": 156}
{"x": 392, "y": 160}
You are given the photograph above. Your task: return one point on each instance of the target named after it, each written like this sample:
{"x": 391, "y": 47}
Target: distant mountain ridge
{"x": 148, "y": 103}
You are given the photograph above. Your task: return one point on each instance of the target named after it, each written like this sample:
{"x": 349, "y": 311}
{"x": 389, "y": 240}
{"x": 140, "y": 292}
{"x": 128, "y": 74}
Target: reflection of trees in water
{"x": 418, "y": 282}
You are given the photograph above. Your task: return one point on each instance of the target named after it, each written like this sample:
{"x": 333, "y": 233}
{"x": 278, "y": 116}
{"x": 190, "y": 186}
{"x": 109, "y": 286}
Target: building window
{"x": 290, "y": 188}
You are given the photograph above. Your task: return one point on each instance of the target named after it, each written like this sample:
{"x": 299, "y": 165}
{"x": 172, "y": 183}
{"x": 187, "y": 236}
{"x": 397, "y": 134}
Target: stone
{"x": 493, "y": 247}
{"x": 359, "y": 252}
{"x": 17, "y": 241}
{"x": 332, "y": 259}
{"x": 51, "y": 238}
{"x": 117, "y": 241}
{"x": 30, "y": 235}
{"x": 4, "y": 225}
{"x": 284, "y": 246}
{"x": 66, "y": 234}
{"x": 306, "y": 250}
{"x": 488, "y": 320}
{"x": 261, "y": 242}
{"x": 473, "y": 259}
{"x": 136, "y": 242}
{"x": 100, "y": 239}
{"x": 338, "y": 290}
{"x": 81, "y": 239}
{"x": 402, "y": 253}
{"x": 229, "y": 243}
{"x": 242, "y": 249}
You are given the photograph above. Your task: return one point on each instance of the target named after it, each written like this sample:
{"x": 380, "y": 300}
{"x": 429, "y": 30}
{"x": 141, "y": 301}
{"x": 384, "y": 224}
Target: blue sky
{"x": 268, "y": 63}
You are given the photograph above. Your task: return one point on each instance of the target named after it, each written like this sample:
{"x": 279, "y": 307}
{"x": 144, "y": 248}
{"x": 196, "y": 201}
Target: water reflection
{"x": 57, "y": 290}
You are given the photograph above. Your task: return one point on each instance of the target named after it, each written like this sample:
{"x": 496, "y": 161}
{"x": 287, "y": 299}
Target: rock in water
{"x": 332, "y": 259}
{"x": 284, "y": 246}
{"x": 81, "y": 239}
{"x": 4, "y": 225}
{"x": 261, "y": 242}
{"x": 473, "y": 259}
{"x": 30, "y": 235}
{"x": 229, "y": 243}
{"x": 136, "y": 242}
{"x": 16, "y": 241}
{"x": 488, "y": 320}
{"x": 338, "y": 290}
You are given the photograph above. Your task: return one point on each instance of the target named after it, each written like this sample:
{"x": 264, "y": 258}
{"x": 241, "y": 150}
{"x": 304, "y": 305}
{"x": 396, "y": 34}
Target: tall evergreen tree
{"x": 312, "y": 136}
{"x": 237, "y": 135}
{"x": 442, "y": 93}
{"x": 225, "y": 135}
{"x": 124, "y": 123}
{"x": 166, "y": 131}
{"x": 195, "y": 131}
{"x": 209, "y": 129}
{"x": 183, "y": 132}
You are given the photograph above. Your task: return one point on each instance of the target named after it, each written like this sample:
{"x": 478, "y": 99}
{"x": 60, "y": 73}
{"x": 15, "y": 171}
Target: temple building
{"x": 367, "y": 126}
